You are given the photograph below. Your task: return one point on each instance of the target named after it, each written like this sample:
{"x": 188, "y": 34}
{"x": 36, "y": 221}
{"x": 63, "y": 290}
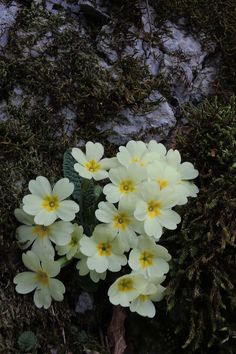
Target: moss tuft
{"x": 201, "y": 297}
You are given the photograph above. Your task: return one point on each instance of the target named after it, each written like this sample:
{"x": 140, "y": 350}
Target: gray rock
{"x": 105, "y": 45}
{"x": 70, "y": 121}
{"x": 53, "y": 6}
{"x": 148, "y": 17}
{"x": 16, "y": 97}
{"x": 185, "y": 64}
{"x": 147, "y": 54}
{"x": 3, "y": 114}
{"x": 94, "y": 8}
{"x": 8, "y": 14}
{"x": 84, "y": 303}
{"x": 143, "y": 47}
{"x": 155, "y": 119}
{"x": 40, "y": 46}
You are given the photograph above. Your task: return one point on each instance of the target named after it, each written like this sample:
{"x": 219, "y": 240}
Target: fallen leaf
{"x": 116, "y": 330}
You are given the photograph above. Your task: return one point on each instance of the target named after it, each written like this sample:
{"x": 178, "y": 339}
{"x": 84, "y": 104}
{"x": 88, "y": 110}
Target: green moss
{"x": 201, "y": 297}
{"x": 217, "y": 20}
{"x": 33, "y": 143}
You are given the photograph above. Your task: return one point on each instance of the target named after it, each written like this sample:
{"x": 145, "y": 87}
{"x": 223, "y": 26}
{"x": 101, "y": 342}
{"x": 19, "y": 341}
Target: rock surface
{"x": 157, "y": 116}
{"x": 8, "y": 14}
{"x": 172, "y": 51}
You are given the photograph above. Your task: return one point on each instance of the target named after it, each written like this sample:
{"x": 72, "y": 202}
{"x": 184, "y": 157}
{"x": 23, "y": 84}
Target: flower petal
{"x": 67, "y": 210}
{"x": 23, "y": 217}
{"x": 112, "y": 193}
{"x": 79, "y": 155}
{"x": 24, "y": 233}
{"x": 94, "y": 151}
{"x": 140, "y": 212}
{"x": 87, "y": 246}
{"x": 100, "y": 175}
{"x": 43, "y": 248}
{"x": 169, "y": 219}
{"x": 51, "y": 267}
{"x": 31, "y": 261}
{"x": 42, "y": 298}
{"x": 63, "y": 188}
{"x": 40, "y": 187}
{"x": 45, "y": 217}
{"x": 57, "y": 289}
{"x": 153, "y": 228}
{"x": 188, "y": 171}
{"x": 26, "y": 282}
{"x": 98, "y": 263}
{"x": 82, "y": 171}
{"x": 60, "y": 232}
{"x": 82, "y": 266}
{"x": 32, "y": 204}
{"x": 106, "y": 212}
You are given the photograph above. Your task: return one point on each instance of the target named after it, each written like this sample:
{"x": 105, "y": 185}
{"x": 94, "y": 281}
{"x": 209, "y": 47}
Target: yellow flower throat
{"x": 51, "y": 202}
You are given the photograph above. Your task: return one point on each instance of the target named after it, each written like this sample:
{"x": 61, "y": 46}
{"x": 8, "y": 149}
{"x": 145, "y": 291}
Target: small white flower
{"x": 48, "y": 204}
{"x": 158, "y": 150}
{"x": 187, "y": 172}
{"x": 40, "y": 236}
{"x": 72, "y": 247}
{"x": 91, "y": 165}
{"x": 127, "y": 288}
{"x": 41, "y": 279}
{"x": 164, "y": 175}
{"x": 154, "y": 208}
{"x": 84, "y": 270}
{"x": 121, "y": 220}
{"x": 149, "y": 258}
{"x": 135, "y": 152}
{"x": 143, "y": 304}
{"x": 186, "y": 169}
{"x": 103, "y": 250}
{"x": 125, "y": 183}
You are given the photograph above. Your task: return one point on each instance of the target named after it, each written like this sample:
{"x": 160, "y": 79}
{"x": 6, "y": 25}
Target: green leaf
{"x": 71, "y": 174}
{"x": 27, "y": 341}
{"x": 88, "y": 205}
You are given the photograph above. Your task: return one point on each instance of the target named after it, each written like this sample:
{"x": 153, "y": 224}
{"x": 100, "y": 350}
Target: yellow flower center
{"x": 74, "y": 241}
{"x": 121, "y": 221}
{"x": 146, "y": 259}
{"x": 51, "y": 202}
{"x": 162, "y": 183}
{"x": 153, "y": 209}
{"x": 143, "y": 298}
{"x": 125, "y": 285}
{"x": 127, "y": 186}
{"x": 92, "y": 166}
{"x": 42, "y": 277}
{"x": 41, "y": 231}
{"x": 104, "y": 248}
{"x": 137, "y": 159}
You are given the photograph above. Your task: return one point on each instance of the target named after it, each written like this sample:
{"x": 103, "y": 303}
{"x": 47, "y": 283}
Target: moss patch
{"x": 217, "y": 20}
{"x": 201, "y": 295}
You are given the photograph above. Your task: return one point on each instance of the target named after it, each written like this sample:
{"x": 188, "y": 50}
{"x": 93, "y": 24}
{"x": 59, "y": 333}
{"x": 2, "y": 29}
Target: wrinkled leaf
{"x": 27, "y": 341}
{"x": 71, "y": 174}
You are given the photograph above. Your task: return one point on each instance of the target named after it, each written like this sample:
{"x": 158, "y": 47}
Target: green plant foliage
{"x": 86, "y": 193}
{"x": 89, "y": 201}
{"x": 27, "y": 341}
{"x": 69, "y": 172}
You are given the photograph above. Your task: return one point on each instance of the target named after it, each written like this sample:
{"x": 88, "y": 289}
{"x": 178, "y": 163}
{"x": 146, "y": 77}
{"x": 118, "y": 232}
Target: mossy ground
{"x": 200, "y": 298}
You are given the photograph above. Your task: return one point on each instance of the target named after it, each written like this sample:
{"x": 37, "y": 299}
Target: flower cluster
{"x": 145, "y": 183}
